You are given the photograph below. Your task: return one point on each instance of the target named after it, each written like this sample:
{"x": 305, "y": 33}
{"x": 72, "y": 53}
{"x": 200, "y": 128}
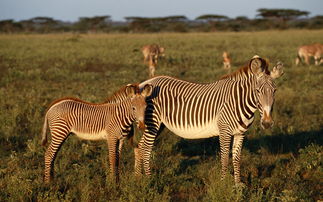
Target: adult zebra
{"x": 224, "y": 108}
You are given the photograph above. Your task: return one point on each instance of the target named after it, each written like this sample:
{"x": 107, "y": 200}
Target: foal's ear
{"x": 147, "y": 90}
{"x": 258, "y": 65}
{"x": 130, "y": 90}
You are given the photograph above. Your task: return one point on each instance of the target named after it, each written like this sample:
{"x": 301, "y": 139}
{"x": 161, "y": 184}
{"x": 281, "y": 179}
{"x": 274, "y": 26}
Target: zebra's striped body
{"x": 108, "y": 121}
{"x": 224, "y": 108}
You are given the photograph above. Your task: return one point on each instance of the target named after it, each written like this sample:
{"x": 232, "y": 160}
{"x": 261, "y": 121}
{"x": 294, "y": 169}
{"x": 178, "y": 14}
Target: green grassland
{"x": 281, "y": 164}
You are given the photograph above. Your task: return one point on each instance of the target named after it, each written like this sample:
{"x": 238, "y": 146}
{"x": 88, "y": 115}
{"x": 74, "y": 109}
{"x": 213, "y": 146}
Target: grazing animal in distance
{"x": 224, "y": 108}
{"x": 226, "y": 60}
{"x": 151, "y": 55}
{"x": 307, "y": 51}
{"x": 151, "y": 68}
{"x": 106, "y": 121}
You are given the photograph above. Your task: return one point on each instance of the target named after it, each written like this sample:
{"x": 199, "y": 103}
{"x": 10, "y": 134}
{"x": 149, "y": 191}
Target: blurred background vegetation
{"x": 264, "y": 20}
{"x": 282, "y": 164}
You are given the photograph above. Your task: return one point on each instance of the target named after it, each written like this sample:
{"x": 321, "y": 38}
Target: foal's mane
{"x": 120, "y": 95}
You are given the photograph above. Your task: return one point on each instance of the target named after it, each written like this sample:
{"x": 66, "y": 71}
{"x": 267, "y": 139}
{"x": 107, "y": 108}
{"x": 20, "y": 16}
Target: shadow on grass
{"x": 200, "y": 147}
{"x": 284, "y": 143}
{"x": 199, "y": 150}
{"x": 275, "y": 144}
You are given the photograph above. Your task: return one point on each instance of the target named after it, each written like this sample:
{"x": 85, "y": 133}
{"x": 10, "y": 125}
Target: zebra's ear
{"x": 258, "y": 65}
{"x": 130, "y": 90}
{"x": 147, "y": 90}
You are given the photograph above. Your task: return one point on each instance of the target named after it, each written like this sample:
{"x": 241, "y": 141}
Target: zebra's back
{"x": 190, "y": 110}
{"x": 86, "y": 120}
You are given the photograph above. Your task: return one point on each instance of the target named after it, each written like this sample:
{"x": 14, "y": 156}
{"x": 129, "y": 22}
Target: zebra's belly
{"x": 205, "y": 131}
{"x": 91, "y": 136}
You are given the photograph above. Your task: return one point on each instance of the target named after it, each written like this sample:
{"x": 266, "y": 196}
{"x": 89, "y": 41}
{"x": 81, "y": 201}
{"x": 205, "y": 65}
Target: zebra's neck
{"x": 245, "y": 99}
{"x": 124, "y": 112}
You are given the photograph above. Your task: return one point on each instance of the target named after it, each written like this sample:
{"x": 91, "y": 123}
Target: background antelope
{"x": 226, "y": 60}
{"x": 224, "y": 108}
{"x": 151, "y": 55}
{"x": 107, "y": 121}
{"x": 307, "y": 51}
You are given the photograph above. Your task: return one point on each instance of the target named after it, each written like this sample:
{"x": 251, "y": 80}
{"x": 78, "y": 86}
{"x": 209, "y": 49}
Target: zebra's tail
{"x": 44, "y": 134}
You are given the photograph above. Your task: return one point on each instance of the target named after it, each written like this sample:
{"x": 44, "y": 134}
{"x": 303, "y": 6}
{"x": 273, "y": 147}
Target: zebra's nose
{"x": 267, "y": 124}
{"x": 267, "y": 121}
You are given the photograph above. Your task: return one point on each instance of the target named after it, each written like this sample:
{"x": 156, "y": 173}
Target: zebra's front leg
{"x": 236, "y": 153}
{"x": 225, "y": 140}
{"x": 146, "y": 155}
{"x": 138, "y": 161}
{"x": 113, "y": 147}
{"x": 145, "y": 147}
{"x": 143, "y": 152}
{"x": 118, "y": 157}
{"x": 58, "y": 137}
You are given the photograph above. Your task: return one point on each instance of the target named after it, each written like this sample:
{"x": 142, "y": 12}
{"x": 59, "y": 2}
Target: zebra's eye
{"x": 133, "y": 108}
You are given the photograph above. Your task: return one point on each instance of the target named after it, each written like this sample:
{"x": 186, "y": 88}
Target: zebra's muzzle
{"x": 141, "y": 125}
{"x": 267, "y": 124}
{"x": 266, "y": 121}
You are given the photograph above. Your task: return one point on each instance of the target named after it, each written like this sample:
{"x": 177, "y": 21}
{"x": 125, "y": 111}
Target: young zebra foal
{"x": 107, "y": 121}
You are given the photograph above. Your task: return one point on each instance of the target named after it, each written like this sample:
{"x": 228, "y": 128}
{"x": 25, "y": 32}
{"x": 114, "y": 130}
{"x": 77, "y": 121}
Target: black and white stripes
{"x": 224, "y": 108}
{"x": 108, "y": 121}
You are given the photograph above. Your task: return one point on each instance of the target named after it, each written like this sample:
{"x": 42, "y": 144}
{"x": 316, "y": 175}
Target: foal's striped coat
{"x": 107, "y": 121}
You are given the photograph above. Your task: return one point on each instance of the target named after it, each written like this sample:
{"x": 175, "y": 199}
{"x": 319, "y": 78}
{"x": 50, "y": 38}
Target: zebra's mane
{"x": 69, "y": 99}
{"x": 120, "y": 94}
{"x": 117, "y": 97}
{"x": 73, "y": 99}
{"x": 244, "y": 71}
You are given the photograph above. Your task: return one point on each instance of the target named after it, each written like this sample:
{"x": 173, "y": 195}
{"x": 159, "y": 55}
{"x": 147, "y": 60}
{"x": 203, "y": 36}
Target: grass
{"x": 282, "y": 164}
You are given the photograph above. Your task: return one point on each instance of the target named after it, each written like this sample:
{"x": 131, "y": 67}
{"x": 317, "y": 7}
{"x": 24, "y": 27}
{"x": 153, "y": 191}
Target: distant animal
{"x": 224, "y": 108}
{"x": 307, "y": 51}
{"x": 151, "y": 55}
{"x": 226, "y": 60}
{"x": 151, "y": 68}
{"x": 110, "y": 121}
{"x": 152, "y": 51}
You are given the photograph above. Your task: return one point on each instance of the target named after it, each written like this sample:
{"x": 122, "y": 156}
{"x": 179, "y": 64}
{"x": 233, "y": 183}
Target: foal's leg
{"x": 59, "y": 135}
{"x": 113, "y": 147}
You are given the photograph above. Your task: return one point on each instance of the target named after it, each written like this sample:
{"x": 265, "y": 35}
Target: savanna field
{"x": 281, "y": 164}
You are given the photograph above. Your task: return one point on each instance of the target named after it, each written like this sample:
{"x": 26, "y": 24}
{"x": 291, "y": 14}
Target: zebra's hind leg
{"x": 118, "y": 157}
{"x": 58, "y": 138}
{"x": 236, "y": 153}
{"x": 225, "y": 140}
